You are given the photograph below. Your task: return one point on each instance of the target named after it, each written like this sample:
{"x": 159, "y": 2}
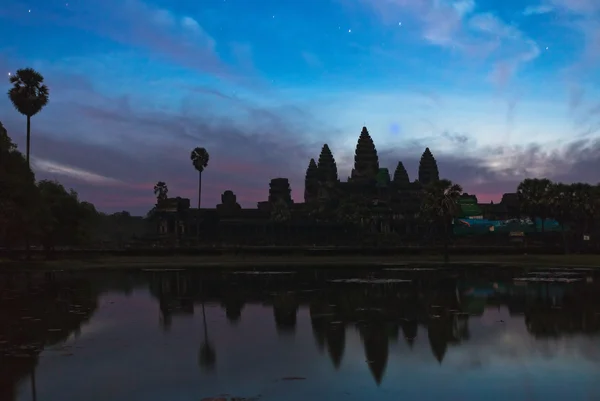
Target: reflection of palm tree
{"x": 207, "y": 356}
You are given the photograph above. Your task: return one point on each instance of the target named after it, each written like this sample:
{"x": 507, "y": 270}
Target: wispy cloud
{"x": 538, "y": 10}
{"x": 56, "y": 168}
{"x": 458, "y": 25}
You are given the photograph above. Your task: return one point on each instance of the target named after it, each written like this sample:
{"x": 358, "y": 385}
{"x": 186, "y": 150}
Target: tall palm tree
{"x": 199, "y": 159}
{"x": 440, "y": 206}
{"x": 29, "y": 95}
{"x": 161, "y": 191}
{"x": 534, "y": 198}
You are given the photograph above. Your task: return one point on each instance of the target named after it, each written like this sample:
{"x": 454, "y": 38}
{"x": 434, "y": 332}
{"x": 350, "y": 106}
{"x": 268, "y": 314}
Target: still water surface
{"x": 461, "y": 334}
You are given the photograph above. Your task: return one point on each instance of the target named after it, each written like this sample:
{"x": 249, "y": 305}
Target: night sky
{"x": 499, "y": 90}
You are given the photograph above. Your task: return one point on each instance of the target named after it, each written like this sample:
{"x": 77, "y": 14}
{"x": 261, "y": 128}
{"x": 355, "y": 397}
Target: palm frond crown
{"x": 200, "y": 158}
{"x": 28, "y": 93}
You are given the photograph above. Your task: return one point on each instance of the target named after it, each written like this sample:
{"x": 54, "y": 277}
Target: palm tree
{"x": 440, "y": 206}
{"x": 534, "y": 198}
{"x": 161, "y": 191}
{"x": 29, "y": 95}
{"x": 199, "y": 159}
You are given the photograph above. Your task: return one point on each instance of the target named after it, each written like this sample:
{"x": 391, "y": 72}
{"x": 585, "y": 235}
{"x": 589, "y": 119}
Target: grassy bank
{"x": 258, "y": 262}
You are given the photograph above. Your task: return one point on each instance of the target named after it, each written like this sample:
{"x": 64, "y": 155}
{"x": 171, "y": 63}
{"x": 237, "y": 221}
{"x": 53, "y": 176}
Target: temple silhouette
{"x": 371, "y": 203}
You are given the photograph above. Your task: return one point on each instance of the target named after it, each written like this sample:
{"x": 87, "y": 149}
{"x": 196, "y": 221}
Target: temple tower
{"x": 428, "y": 169}
{"x": 366, "y": 161}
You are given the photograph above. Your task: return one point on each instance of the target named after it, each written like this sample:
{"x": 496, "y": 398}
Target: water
{"x": 461, "y": 334}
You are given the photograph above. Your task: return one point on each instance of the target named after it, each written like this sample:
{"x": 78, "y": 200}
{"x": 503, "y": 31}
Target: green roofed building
{"x": 469, "y": 209}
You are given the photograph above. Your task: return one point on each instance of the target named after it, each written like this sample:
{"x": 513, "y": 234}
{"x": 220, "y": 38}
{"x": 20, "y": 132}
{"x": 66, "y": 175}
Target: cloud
{"x": 538, "y": 10}
{"x": 312, "y": 60}
{"x": 54, "y": 168}
{"x": 457, "y": 25}
{"x": 159, "y": 31}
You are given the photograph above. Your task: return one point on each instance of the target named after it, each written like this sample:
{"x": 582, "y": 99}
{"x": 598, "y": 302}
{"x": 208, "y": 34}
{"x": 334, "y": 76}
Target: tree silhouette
{"x": 534, "y": 198}
{"x": 199, "y": 159}
{"x": 161, "y": 191}
{"x": 29, "y": 95}
{"x": 440, "y": 206}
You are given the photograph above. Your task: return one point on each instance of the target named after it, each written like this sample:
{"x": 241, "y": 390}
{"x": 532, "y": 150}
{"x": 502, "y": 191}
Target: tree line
{"x": 45, "y": 213}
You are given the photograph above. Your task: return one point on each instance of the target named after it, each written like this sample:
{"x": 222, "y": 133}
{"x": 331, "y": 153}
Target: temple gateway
{"x": 371, "y": 206}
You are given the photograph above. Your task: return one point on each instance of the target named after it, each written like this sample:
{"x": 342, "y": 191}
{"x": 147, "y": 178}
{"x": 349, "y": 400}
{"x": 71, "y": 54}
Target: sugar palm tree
{"x": 440, "y": 206}
{"x": 199, "y": 159}
{"x": 29, "y": 95}
{"x": 161, "y": 191}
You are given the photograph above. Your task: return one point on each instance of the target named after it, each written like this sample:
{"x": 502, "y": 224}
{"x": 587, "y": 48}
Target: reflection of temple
{"x": 435, "y": 306}
{"x": 34, "y": 317}
{"x": 172, "y": 293}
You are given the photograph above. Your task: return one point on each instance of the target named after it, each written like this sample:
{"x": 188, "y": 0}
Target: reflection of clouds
{"x": 505, "y": 343}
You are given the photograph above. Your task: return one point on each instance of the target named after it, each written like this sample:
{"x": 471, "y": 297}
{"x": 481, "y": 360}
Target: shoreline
{"x": 292, "y": 262}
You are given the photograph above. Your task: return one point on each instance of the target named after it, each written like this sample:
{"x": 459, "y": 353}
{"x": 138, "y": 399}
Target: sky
{"x": 498, "y": 90}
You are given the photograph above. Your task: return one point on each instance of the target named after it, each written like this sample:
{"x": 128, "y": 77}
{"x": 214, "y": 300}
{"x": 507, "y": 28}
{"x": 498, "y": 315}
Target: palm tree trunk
{"x": 27, "y": 253}
{"x": 28, "y": 138}
{"x": 199, "y": 188}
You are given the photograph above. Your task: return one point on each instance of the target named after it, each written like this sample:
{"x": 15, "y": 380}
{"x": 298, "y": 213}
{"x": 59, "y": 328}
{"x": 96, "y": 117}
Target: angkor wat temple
{"x": 371, "y": 203}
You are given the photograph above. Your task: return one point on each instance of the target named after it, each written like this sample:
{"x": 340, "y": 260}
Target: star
{"x": 349, "y": 30}
{"x": 546, "y": 47}
{"x": 28, "y": 11}
{"x": 399, "y": 23}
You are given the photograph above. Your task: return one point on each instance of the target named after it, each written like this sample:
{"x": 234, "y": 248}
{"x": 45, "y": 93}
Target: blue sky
{"x": 499, "y": 90}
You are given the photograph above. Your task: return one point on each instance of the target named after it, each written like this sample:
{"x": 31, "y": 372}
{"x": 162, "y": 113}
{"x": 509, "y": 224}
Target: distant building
{"x": 369, "y": 203}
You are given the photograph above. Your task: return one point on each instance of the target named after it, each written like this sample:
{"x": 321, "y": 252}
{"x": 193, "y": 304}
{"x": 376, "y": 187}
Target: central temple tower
{"x": 366, "y": 161}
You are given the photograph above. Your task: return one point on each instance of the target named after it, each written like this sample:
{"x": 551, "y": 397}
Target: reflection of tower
{"x": 171, "y": 291}
{"x": 336, "y": 342}
{"x": 318, "y": 322}
{"x": 285, "y": 308}
{"x": 409, "y": 330}
{"x": 376, "y": 343}
{"x": 233, "y": 308}
{"x": 439, "y": 332}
